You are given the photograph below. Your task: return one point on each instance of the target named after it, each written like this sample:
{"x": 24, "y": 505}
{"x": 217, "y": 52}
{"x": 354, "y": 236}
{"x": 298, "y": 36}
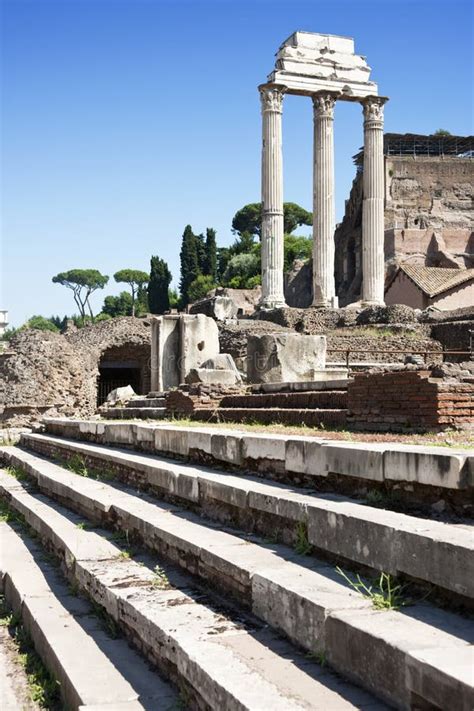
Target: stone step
{"x": 333, "y": 380}
{"x": 147, "y": 402}
{"x": 93, "y": 670}
{"x": 157, "y": 393}
{"x": 136, "y": 413}
{"x": 220, "y": 657}
{"x": 327, "y": 399}
{"x": 431, "y": 551}
{"x": 306, "y": 600}
{"x": 287, "y": 416}
{"x": 430, "y": 472}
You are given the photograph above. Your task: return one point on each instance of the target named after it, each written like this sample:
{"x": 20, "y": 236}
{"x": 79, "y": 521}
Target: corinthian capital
{"x": 323, "y": 105}
{"x": 272, "y": 97}
{"x": 372, "y": 107}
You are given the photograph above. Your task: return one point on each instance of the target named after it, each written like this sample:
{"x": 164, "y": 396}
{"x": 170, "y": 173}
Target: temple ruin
{"x": 326, "y": 68}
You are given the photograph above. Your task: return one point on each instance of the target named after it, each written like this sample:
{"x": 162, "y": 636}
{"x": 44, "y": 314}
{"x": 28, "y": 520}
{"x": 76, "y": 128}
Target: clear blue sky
{"x": 124, "y": 120}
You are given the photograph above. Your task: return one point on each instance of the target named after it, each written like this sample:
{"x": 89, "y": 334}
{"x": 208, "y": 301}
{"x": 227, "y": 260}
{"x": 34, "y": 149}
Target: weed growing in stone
{"x": 160, "y": 579}
{"x": 125, "y": 555}
{"x": 43, "y": 687}
{"x": 302, "y": 545}
{"x": 108, "y": 624}
{"x": 77, "y": 465}
{"x": 82, "y": 525}
{"x": 318, "y": 657}
{"x": 17, "y": 472}
{"x": 384, "y": 594}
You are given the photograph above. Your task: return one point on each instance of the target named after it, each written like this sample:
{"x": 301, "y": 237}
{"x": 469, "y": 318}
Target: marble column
{"x": 323, "y": 200}
{"x": 373, "y": 260}
{"x": 272, "y": 197}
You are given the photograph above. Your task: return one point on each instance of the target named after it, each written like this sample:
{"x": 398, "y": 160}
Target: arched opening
{"x": 119, "y": 366}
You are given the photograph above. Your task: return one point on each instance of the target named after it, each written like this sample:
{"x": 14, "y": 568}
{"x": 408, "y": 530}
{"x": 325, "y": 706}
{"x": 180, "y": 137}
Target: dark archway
{"x": 119, "y": 366}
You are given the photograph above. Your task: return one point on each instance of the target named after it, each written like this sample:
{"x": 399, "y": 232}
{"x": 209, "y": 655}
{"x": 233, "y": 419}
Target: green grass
{"x": 44, "y": 689}
{"x": 384, "y": 593}
{"x": 302, "y": 545}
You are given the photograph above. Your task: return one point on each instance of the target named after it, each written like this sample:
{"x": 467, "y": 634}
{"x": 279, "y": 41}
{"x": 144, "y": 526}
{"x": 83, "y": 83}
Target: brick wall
{"x": 409, "y": 400}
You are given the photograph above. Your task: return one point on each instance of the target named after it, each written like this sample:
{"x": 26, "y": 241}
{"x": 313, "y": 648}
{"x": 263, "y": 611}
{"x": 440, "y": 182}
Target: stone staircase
{"x": 226, "y": 581}
{"x": 312, "y": 406}
{"x": 151, "y": 407}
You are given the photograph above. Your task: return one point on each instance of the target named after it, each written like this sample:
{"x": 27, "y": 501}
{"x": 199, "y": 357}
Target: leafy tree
{"x": 240, "y": 269}
{"x": 296, "y": 248}
{"x": 295, "y": 215}
{"x": 158, "y": 286}
{"x": 200, "y": 286}
{"x": 210, "y": 262}
{"x": 41, "y": 323}
{"x": 83, "y": 283}
{"x": 141, "y": 302}
{"x": 8, "y": 334}
{"x": 249, "y": 218}
{"x": 173, "y": 298}
{"x": 120, "y": 305}
{"x": 441, "y": 132}
{"x": 136, "y": 280}
{"x": 189, "y": 263}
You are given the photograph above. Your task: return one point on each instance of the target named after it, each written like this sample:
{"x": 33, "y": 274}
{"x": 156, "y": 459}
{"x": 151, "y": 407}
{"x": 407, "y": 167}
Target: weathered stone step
{"x": 331, "y": 380}
{"x": 327, "y": 399}
{"x": 286, "y": 416}
{"x": 304, "y": 599}
{"x": 93, "y": 670}
{"x": 218, "y": 663}
{"x": 136, "y": 413}
{"x": 431, "y": 471}
{"x": 147, "y": 402}
{"x": 435, "y": 552}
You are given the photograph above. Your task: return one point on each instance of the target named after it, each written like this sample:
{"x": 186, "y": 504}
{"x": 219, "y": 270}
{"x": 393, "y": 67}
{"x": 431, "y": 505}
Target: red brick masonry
{"x": 409, "y": 400}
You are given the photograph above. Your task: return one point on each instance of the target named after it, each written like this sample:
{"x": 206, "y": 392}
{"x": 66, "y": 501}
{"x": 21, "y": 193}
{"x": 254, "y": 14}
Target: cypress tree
{"x": 160, "y": 279}
{"x": 201, "y": 253}
{"x": 189, "y": 263}
{"x": 210, "y": 265}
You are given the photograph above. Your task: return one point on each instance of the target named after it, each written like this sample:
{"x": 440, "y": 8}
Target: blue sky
{"x": 125, "y": 120}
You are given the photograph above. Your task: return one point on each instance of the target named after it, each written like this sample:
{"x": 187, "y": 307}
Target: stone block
{"x": 443, "y": 680}
{"x": 278, "y": 357}
{"x": 120, "y": 433}
{"x": 304, "y": 455}
{"x": 361, "y": 461}
{"x": 373, "y": 647}
{"x": 257, "y": 447}
{"x": 227, "y": 448}
{"x": 173, "y": 440}
{"x": 199, "y": 342}
{"x": 423, "y": 466}
{"x": 210, "y": 376}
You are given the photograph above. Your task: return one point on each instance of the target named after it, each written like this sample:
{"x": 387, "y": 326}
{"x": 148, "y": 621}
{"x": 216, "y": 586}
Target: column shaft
{"x": 323, "y": 200}
{"x": 373, "y": 259}
{"x": 272, "y": 198}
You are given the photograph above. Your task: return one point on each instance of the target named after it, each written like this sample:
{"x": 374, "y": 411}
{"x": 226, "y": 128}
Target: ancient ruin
{"x": 325, "y": 68}
{"x": 212, "y": 567}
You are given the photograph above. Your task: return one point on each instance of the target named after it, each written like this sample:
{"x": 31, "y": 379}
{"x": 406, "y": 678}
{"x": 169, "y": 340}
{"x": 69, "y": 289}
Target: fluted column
{"x": 323, "y": 200}
{"x": 373, "y": 260}
{"x": 272, "y": 197}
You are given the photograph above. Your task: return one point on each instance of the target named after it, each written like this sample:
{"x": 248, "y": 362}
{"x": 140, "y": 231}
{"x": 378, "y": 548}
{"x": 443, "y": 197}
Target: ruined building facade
{"x": 428, "y": 209}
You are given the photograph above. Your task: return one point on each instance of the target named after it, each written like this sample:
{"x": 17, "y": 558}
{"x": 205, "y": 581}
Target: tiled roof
{"x": 435, "y": 280}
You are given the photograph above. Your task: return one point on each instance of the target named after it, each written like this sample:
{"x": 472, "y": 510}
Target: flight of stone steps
{"x": 226, "y": 580}
{"x": 150, "y": 407}
{"x": 321, "y": 403}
